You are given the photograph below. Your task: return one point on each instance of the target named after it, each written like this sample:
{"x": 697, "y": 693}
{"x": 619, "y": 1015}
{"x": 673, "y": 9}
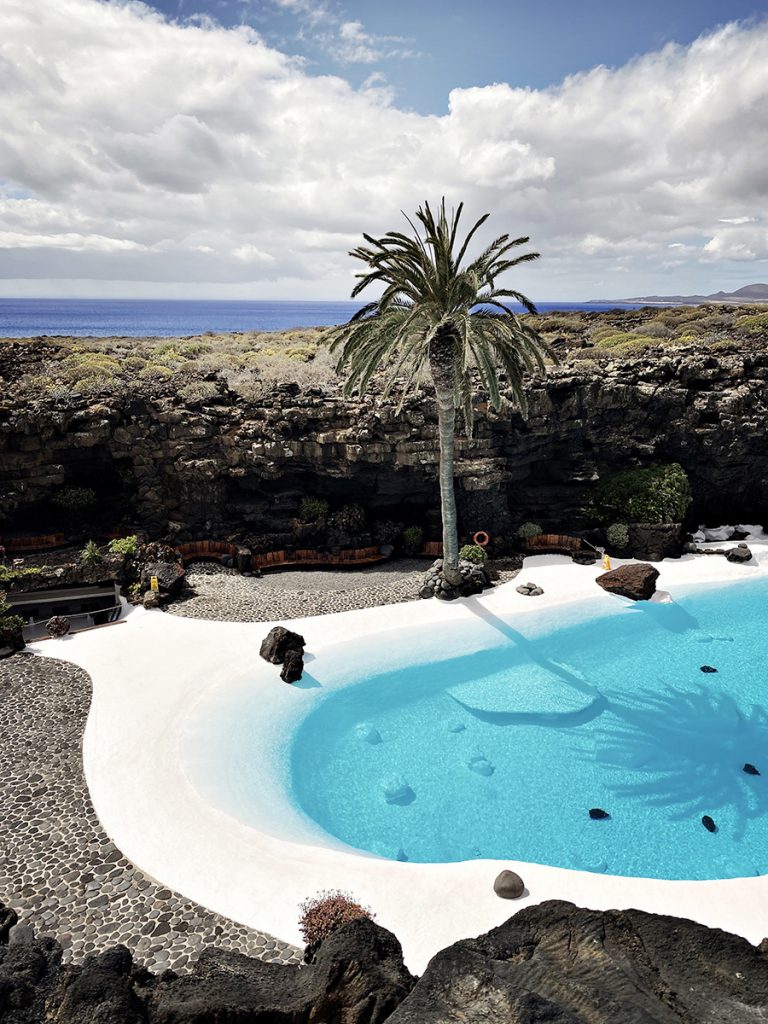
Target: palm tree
{"x": 443, "y": 319}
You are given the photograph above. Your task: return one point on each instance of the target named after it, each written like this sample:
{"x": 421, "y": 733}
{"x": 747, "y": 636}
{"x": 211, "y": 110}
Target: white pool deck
{"x": 148, "y": 674}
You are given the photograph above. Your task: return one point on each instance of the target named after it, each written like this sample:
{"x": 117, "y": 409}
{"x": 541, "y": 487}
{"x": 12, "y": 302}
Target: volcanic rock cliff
{"x": 223, "y": 465}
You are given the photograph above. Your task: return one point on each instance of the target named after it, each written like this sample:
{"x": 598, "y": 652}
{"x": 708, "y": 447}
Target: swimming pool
{"x": 502, "y": 752}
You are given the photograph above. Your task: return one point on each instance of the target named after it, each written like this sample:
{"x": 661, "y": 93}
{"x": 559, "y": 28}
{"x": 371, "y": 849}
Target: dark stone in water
{"x": 598, "y": 814}
{"x": 708, "y": 824}
{"x": 749, "y": 769}
{"x": 708, "y": 668}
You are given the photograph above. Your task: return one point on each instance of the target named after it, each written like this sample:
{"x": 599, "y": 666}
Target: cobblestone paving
{"x": 223, "y": 594}
{"x": 58, "y": 868}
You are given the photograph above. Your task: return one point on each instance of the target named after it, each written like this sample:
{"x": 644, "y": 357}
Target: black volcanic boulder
{"x": 278, "y": 642}
{"x": 102, "y": 991}
{"x": 293, "y": 666}
{"x": 170, "y": 577}
{"x": 557, "y": 963}
{"x": 636, "y": 581}
{"x": 740, "y": 554}
{"x": 357, "y": 977}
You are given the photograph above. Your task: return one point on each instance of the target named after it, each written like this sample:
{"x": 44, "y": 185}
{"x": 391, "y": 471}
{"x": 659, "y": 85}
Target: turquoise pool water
{"x": 502, "y": 753}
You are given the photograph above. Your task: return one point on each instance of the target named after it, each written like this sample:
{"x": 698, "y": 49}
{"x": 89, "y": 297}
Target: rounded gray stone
{"x": 509, "y": 885}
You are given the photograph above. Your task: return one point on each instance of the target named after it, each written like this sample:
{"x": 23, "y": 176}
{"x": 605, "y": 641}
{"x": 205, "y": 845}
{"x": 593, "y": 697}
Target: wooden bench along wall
{"x": 42, "y": 542}
{"x": 553, "y": 543}
{"x": 310, "y": 556}
{"x": 206, "y": 549}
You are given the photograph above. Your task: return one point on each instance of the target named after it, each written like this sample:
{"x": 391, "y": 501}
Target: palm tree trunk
{"x": 442, "y": 369}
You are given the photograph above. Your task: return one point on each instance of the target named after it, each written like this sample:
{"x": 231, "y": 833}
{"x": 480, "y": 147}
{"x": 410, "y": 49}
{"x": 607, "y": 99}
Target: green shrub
{"x": 10, "y": 627}
{"x": 528, "y": 530}
{"x": 199, "y": 391}
{"x": 413, "y": 540}
{"x": 124, "y": 545}
{"x": 655, "y": 494}
{"x": 755, "y": 325}
{"x": 313, "y": 510}
{"x": 74, "y": 499}
{"x": 90, "y": 556}
{"x": 349, "y": 517}
{"x": 473, "y": 553}
{"x": 328, "y": 910}
{"x": 156, "y": 372}
{"x": 12, "y": 578}
{"x": 617, "y": 535}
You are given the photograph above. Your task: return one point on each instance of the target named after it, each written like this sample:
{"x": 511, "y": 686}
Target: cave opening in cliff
{"x": 92, "y": 494}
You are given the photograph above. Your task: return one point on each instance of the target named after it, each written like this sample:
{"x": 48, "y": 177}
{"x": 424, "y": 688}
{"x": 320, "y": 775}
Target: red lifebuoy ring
{"x": 481, "y": 538}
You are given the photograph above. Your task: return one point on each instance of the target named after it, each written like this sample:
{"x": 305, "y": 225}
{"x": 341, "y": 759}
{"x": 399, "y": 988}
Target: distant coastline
{"x": 179, "y": 318}
{"x": 757, "y": 293}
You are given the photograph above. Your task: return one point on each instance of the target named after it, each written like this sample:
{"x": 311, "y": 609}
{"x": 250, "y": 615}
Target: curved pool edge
{"x": 148, "y": 673}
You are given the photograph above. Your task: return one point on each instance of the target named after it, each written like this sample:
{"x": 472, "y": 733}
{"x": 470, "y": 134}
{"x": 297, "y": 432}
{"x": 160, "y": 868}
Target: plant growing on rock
{"x": 617, "y": 535}
{"x": 313, "y": 510}
{"x": 441, "y": 319}
{"x": 126, "y": 546}
{"x": 90, "y": 556}
{"x": 10, "y": 627}
{"x": 74, "y": 500}
{"x": 473, "y": 553}
{"x": 349, "y": 517}
{"x": 528, "y": 530}
{"x": 413, "y": 540}
{"x": 322, "y": 914}
{"x": 654, "y": 494}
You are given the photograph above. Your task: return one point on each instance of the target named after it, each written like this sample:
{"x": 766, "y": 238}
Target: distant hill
{"x": 749, "y": 293}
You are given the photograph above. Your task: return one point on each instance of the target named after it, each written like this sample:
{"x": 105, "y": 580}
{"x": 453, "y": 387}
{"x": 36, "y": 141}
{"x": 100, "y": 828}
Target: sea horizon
{"x": 141, "y": 318}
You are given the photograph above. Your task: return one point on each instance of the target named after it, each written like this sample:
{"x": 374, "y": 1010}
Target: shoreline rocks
{"x": 637, "y": 582}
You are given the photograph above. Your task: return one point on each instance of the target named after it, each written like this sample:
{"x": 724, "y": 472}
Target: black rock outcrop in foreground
{"x": 552, "y": 963}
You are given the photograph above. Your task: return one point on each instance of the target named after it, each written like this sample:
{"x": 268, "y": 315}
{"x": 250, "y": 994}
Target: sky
{"x": 239, "y": 148}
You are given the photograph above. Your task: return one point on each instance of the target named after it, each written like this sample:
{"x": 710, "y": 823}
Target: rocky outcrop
{"x": 637, "y": 582}
{"x": 553, "y": 962}
{"x": 231, "y": 466}
{"x": 474, "y": 579}
{"x": 563, "y": 965}
{"x": 357, "y": 977}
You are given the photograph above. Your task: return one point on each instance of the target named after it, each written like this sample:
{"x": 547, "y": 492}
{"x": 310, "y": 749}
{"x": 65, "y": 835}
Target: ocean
{"x": 141, "y": 318}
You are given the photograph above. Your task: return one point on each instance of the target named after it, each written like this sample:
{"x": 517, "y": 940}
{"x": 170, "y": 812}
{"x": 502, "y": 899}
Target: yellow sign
{"x": 606, "y": 562}
{"x": 153, "y": 584}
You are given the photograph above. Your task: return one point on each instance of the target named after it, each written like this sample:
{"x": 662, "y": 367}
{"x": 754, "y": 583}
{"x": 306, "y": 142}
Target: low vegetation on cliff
{"x": 249, "y": 365}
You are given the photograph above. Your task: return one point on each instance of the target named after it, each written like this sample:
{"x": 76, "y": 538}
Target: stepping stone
{"x": 708, "y": 668}
{"x": 598, "y": 814}
{"x": 708, "y": 824}
{"x": 749, "y": 769}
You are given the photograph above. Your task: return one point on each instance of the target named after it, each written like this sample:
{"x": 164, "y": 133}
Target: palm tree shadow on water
{"x": 684, "y": 750}
{"x": 680, "y": 749}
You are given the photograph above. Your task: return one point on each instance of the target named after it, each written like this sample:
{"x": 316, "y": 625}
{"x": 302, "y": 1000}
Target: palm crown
{"x": 429, "y": 296}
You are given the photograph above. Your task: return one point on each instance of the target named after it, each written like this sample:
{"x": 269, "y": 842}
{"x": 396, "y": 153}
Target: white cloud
{"x": 137, "y": 149}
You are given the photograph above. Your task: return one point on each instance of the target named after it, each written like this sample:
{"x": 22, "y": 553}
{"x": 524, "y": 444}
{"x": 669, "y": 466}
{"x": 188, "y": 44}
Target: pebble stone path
{"x": 58, "y": 868}
{"x": 223, "y": 594}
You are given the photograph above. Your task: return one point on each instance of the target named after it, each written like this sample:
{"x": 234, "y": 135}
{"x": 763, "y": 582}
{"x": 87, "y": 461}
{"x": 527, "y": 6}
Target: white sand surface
{"x": 156, "y": 676}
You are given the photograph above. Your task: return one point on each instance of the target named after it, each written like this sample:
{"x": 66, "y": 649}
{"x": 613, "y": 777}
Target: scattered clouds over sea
{"x": 143, "y": 156}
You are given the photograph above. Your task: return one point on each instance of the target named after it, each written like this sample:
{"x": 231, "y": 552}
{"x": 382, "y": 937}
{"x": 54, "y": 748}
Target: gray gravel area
{"x": 58, "y": 868}
{"x": 223, "y": 594}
